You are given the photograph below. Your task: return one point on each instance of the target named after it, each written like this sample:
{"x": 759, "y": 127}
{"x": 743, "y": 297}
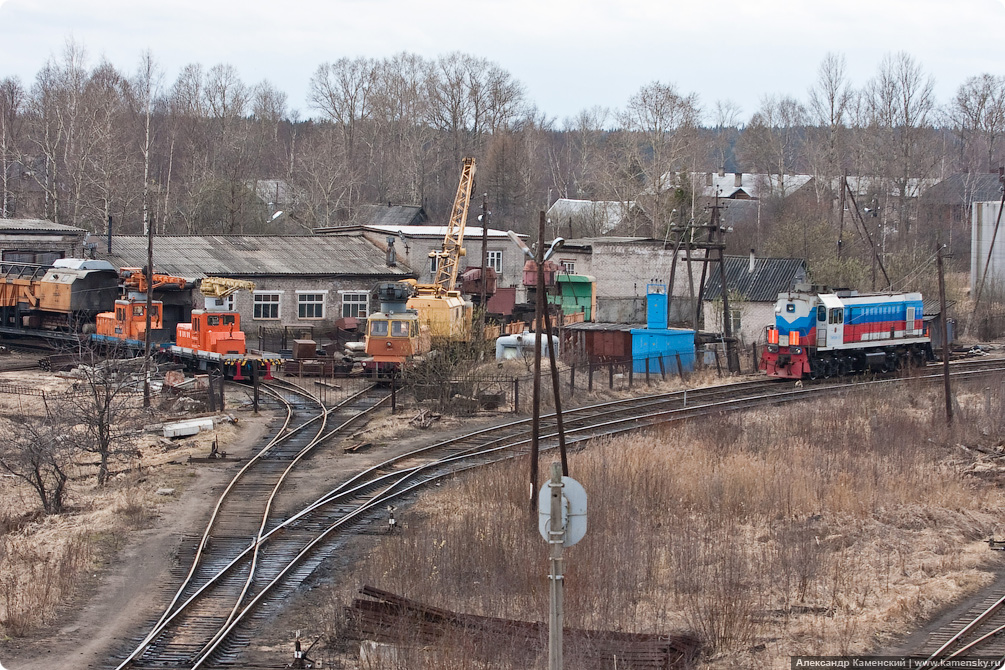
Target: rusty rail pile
{"x": 390, "y": 618}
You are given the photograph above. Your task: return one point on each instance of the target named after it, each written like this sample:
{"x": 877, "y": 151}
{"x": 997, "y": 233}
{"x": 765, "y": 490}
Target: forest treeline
{"x": 211, "y": 154}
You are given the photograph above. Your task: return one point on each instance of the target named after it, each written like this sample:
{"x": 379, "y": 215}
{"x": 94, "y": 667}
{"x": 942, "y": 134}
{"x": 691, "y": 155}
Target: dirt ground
{"x": 132, "y": 586}
{"x": 113, "y": 601}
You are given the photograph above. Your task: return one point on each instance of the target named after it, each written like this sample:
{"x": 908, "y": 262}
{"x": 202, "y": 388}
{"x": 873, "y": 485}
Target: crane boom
{"x": 222, "y": 287}
{"x": 448, "y": 258}
{"x": 136, "y": 279}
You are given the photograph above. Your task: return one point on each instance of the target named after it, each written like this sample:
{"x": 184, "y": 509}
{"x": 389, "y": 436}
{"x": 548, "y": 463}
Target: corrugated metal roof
{"x": 246, "y": 256}
{"x": 615, "y": 327}
{"x": 36, "y": 225}
{"x": 611, "y": 239}
{"x": 392, "y": 215}
{"x": 963, "y": 189}
{"x": 770, "y": 277}
{"x": 470, "y": 232}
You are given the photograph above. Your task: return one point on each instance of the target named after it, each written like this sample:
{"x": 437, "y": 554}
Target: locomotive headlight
{"x": 773, "y": 348}
{"x": 388, "y": 344}
{"x": 795, "y": 350}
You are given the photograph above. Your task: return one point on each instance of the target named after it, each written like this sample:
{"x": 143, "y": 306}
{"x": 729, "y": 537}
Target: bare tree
{"x": 320, "y": 179}
{"x": 726, "y": 126}
{"x": 342, "y": 92}
{"x": 830, "y": 99}
{"x": 37, "y": 447}
{"x": 901, "y": 101}
{"x": 978, "y": 113}
{"x": 108, "y": 406}
{"x": 575, "y": 156}
{"x": 58, "y": 112}
{"x": 401, "y": 139}
{"x": 12, "y": 102}
{"x": 661, "y": 128}
{"x": 772, "y": 141}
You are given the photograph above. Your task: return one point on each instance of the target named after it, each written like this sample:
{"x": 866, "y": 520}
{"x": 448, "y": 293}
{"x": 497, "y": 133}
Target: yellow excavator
{"x": 439, "y": 304}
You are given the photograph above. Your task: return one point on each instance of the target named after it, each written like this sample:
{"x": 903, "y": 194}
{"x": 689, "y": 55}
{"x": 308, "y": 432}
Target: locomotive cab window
{"x": 399, "y": 329}
{"x": 378, "y": 328}
{"x": 137, "y": 310}
{"x": 821, "y": 313}
{"x": 837, "y": 315}
{"x": 213, "y": 320}
{"x": 229, "y": 320}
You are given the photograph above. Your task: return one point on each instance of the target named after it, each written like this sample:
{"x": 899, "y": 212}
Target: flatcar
{"x": 823, "y": 333}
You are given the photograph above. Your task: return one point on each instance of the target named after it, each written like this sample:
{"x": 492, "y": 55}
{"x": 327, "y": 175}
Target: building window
{"x": 355, "y": 305}
{"x": 266, "y": 305}
{"x": 495, "y": 261}
{"x": 311, "y": 305}
{"x": 433, "y": 265}
{"x": 568, "y": 266}
{"x": 33, "y": 257}
{"x": 734, "y": 321}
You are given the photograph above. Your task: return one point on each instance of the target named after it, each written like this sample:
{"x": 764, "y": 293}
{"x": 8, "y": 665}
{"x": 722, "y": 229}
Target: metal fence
{"x": 576, "y": 382}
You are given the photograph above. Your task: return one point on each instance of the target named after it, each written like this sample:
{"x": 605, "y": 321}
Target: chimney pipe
{"x": 109, "y": 233}
{"x": 722, "y": 171}
{"x": 392, "y": 256}
{"x": 708, "y": 179}
{"x": 737, "y": 179}
{"x": 750, "y": 268}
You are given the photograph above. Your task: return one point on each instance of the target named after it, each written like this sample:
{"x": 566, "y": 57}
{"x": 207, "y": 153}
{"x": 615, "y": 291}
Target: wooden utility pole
{"x": 538, "y": 314}
{"x": 868, "y": 238}
{"x": 149, "y": 230}
{"x": 485, "y": 261}
{"x": 945, "y": 339}
{"x": 557, "y": 391}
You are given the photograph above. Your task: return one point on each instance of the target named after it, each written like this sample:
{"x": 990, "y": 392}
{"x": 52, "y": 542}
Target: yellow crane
{"x": 222, "y": 287}
{"x": 218, "y": 289}
{"x": 439, "y": 304}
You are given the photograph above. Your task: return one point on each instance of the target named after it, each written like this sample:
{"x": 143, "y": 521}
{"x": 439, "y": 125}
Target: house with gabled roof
{"x": 588, "y": 218}
{"x": 754, "y": 285}
{"x": 391, "y": 215}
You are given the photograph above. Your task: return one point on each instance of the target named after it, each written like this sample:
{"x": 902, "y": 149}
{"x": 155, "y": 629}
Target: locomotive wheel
{"x": 844, "y": 367}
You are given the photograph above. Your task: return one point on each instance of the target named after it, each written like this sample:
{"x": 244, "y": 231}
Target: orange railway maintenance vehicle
{"x": 214, "y": 336}
{"x": 394, "y": 334}
{"x": 128, "y": 321}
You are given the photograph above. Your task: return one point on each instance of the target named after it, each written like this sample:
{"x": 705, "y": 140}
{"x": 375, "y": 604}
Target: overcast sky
{"x": 569, "y": 54}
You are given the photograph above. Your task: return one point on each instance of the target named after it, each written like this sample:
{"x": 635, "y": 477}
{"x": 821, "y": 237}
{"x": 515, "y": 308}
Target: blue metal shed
{"x": 666, "y": 343}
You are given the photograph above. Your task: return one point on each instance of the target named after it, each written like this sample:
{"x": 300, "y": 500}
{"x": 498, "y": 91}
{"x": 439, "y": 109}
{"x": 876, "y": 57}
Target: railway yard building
{"x": 38, "y": 241}
{"x": 303, "y": 284}
{"x": 754, "y": 284}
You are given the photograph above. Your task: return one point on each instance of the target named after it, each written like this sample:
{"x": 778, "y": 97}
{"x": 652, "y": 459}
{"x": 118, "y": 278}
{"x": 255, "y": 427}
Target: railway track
{"x": 244, "y": 565}
{"x": 979, "y": 632}
{"x": 227, "y": 563}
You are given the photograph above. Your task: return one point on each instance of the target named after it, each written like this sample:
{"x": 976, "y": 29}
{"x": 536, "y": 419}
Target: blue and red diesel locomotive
{"x": 821, "y": 333}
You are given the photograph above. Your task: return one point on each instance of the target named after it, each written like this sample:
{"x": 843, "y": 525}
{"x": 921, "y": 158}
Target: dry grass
{"x": 820, "y": 528}
{"x": 46, "y": 560}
